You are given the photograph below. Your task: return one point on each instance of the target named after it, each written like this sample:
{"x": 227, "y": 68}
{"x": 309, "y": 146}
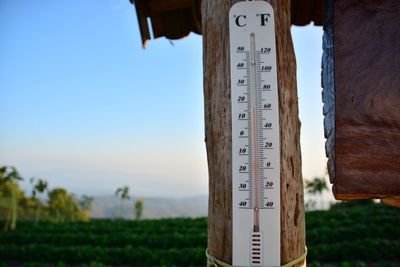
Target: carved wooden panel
{"x": 365, "y": 162}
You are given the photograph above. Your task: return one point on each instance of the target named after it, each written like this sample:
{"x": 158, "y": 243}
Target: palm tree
{"x": 72, "y": 207}
{"x": 58, "y": 200}
{"x": 9, "y": 178}
{"x": 124, "y": 193}
{"x": 316, "y": 187}
{"x": 85, "y": 203}
{"x": 138, "y": 209}
{"x": 39, "y": 188}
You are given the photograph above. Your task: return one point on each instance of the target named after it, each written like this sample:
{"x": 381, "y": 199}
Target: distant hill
{"x": 154, "y": 207}
{"x": 160, "y": 207}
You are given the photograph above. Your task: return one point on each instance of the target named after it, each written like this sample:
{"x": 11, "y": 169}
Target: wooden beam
{"x": 218, "y": 132}
{"x": 159, "y": 6}
{"x": 391, "y": 201}
{"x": 141, "y": 13}
{"x": 367, "y": 97}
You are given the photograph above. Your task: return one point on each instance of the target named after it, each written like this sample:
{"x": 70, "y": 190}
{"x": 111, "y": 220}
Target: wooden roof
{"x": 175, "y": 19}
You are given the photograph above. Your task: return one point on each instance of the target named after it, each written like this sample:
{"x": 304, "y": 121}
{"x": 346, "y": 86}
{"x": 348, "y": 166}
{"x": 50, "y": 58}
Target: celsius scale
{"x": 255, "y": 135}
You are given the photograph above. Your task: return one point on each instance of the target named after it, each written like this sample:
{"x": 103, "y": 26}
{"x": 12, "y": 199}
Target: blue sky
{"x": 85, "y": 107}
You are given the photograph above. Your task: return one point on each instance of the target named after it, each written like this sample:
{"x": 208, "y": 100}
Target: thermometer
{"x": 255, "y": 135}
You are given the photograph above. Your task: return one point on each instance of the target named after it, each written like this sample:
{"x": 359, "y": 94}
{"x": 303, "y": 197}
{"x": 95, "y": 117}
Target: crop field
{"x": 346, "y": 235}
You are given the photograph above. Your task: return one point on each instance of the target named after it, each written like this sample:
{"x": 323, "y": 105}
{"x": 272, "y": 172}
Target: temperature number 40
{"x": 269, "y": 204}
{"x": 268, "y": 125}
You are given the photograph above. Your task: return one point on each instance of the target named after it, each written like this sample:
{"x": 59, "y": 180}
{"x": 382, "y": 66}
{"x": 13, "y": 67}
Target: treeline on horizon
{"x": 43, "y": 203}
{"x": 48, "y": 204}
{"x": 56, "y": 204}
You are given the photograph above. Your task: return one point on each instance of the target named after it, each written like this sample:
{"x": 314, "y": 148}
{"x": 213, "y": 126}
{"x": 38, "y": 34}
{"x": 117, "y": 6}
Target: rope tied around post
{"x": 218, "y": 263}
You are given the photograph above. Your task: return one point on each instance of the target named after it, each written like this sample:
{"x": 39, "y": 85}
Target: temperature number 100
{"x": 266, "y": 68}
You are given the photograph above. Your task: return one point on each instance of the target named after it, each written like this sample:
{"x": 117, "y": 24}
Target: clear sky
{"x": 85, "y": 107}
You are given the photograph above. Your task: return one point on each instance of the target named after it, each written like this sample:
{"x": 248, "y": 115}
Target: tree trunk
{"x": 218, "y": 132}
{"x": 14, "y": 207}
{"x": 37, "y": 213}
{"x": 8, "y": 218}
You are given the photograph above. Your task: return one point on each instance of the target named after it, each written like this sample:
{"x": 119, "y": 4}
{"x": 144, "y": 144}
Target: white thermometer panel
{"x": 255, "y": 135}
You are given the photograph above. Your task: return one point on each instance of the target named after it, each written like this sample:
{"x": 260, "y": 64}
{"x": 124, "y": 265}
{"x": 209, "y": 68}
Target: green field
{"x": 347, "y": 235}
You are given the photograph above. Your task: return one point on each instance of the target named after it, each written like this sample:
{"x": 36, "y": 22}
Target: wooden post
{"x": 218, "y": 132}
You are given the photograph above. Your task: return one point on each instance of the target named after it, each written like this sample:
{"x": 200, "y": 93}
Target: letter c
{"x": 238, "y": 20}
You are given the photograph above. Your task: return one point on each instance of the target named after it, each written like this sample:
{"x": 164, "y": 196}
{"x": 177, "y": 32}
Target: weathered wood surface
{"x": 218, "y": 132}
{"x": 391, "y": 201}
{"x": 328, "y": 92}
{"x": 367, "y": 84}
{"x": 175, "y": 19}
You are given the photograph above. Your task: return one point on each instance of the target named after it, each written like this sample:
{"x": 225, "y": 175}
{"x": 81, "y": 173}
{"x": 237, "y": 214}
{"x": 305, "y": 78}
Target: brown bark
{"x": 218, "y": 132}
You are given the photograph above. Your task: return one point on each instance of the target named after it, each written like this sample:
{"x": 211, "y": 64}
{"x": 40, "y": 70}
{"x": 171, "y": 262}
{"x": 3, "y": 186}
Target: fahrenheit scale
{"x": 255, "y": 135}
